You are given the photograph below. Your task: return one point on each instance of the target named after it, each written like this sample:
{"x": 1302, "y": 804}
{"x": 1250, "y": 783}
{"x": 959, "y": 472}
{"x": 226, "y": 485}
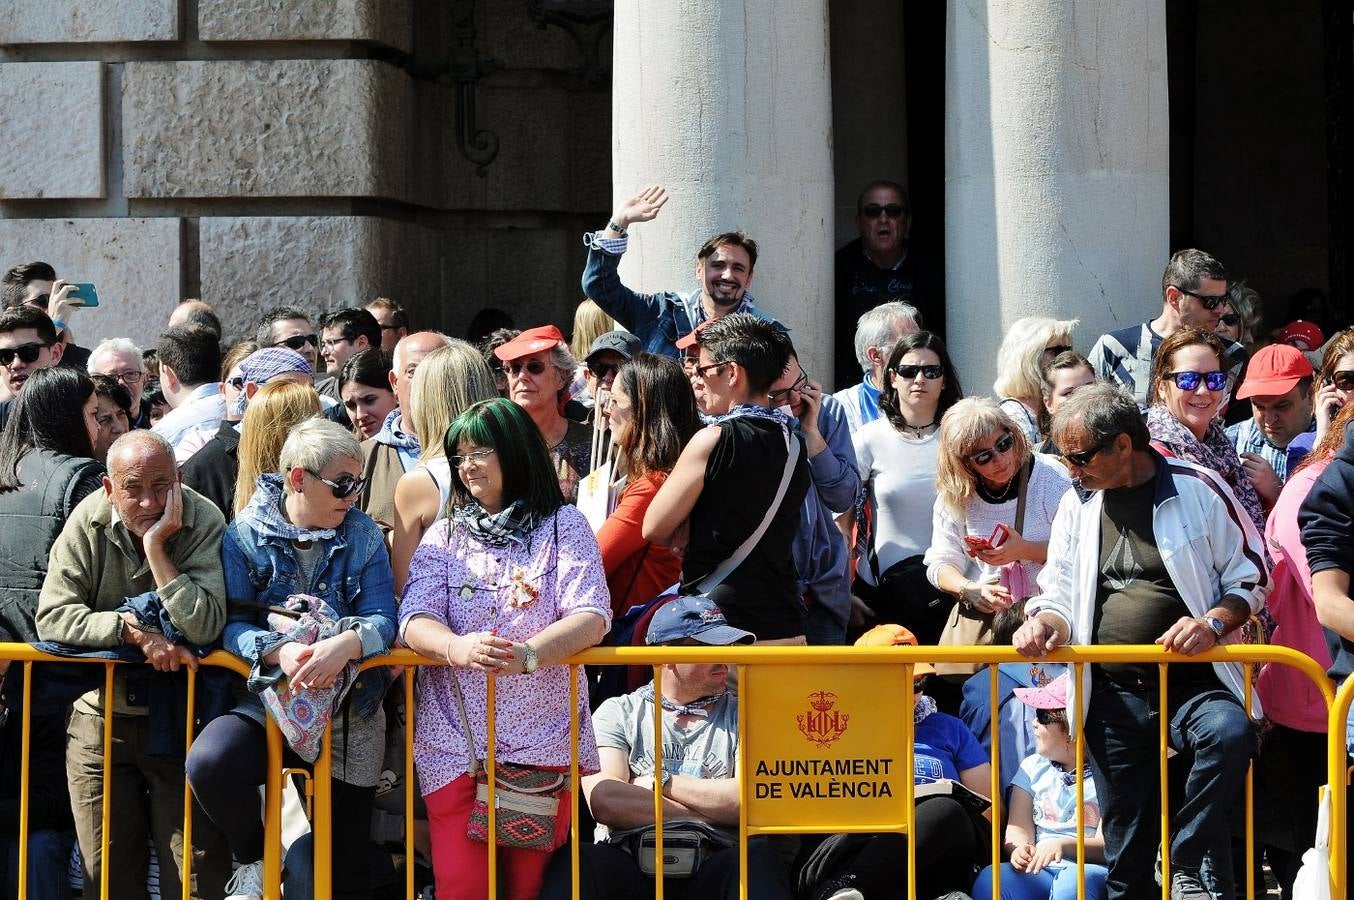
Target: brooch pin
{"x": 524, "y": 593}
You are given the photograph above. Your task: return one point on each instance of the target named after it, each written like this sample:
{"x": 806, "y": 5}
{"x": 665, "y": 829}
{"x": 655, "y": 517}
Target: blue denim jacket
{"x": 354, "y": 577}
{"x": 658, "y": 320}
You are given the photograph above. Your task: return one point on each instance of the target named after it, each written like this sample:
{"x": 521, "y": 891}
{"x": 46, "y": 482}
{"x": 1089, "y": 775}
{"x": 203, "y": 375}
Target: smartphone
{"x": 84, "y": 292}
{"x": 991, "y": 542}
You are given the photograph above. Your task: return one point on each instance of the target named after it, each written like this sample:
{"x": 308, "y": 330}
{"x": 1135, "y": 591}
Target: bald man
{"x": 395, "y": 449}
{"x": 145, "y": 539}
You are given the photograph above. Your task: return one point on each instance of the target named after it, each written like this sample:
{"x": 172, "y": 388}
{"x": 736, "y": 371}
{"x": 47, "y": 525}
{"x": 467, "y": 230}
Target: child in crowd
{"x": 1041, "y": 830}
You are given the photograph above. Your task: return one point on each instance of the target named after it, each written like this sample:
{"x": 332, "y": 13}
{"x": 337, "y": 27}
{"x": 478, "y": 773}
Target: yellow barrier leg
{"x": 740, "y": 772}
{"x": 107, "y": 779}
{"x": 1163, "y": 721}
{"x": 994, "y": 729}
{"x": 322, "y": 826}
{"x": 658, "y": 781}
{"x": 191, "y": 714}
{"x": 1080, "y": 763}
{"x": 25, "y": 754}
{"x": 491, "y": 702}
{"x": 573, "y": 781}
{"x": 409, "y": 851}
{"x": 909, "y": 789}
{"x": 272, "y": 814}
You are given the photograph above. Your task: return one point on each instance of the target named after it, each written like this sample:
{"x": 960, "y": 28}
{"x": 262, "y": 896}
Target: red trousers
{"x": 461, "y": 865}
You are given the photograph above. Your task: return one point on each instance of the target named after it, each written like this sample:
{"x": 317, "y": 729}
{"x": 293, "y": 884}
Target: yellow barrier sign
{"x": 825, "y": 747}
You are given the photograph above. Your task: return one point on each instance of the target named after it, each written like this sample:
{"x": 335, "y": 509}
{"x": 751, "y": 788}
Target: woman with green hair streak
{"x": 507, "y": 585}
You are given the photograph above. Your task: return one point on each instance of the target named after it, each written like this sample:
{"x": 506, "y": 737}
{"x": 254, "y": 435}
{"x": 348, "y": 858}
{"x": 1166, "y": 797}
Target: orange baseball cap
{"x": 892, "y": 636}
{"x": 692, "y": 337}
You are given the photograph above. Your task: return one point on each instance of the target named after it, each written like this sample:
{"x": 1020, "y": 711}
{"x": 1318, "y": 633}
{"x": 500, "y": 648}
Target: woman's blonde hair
{"x": 590, "y": 323}
{"x": 967, "y": 424}
{"x": 1020, "y": 358}
{"x": 270, "y": 415}
{"x": 446, "y": 383}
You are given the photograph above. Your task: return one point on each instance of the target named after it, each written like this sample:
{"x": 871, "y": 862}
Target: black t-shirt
{"x": 861, "y": 286}
{"x": 1136, "y": 600}
{"x": 741, "y": 478}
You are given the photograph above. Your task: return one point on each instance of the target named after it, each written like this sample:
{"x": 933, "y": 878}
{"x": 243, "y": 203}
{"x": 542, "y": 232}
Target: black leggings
{"x": 226, "y": 765}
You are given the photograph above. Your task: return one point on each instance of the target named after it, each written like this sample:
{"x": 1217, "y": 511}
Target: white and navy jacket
{"x": 1207, "y": 542}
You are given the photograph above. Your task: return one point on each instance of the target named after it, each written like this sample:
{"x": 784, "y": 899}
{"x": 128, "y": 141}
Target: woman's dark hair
{"x": 664, "y": 413}
{"x": 1067, "y": 360}
{"x": 369, "y": 368}
{"x": 48, "y": 414}
{"x": 528, "y": 474}
{"x": 153, "y": 395}
{"x": 1164, "y": 361}
{"x": 950, "y": 394}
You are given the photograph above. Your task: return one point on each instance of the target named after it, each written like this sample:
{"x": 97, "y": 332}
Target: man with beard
{"x": 724, "y": 267}
{"x": 879, "y": 266}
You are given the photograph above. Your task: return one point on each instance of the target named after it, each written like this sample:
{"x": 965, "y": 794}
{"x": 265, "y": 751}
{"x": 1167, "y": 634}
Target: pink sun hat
{"x": 1047, "y": 696}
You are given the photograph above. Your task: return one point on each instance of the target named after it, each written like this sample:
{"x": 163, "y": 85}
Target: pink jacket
{"x": 1287, "y": 695}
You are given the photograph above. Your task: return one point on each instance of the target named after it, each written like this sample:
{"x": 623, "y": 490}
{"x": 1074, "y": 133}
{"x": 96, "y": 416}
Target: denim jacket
{"x": 659, "y": 319}
{"x": 354, "y": 577}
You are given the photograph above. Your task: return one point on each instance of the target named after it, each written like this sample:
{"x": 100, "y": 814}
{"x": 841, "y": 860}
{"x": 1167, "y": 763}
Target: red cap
{"x": 692, "y": 337}
{"x": 1274, "y": 370}
{"x": 1303, "y": 335}
{"x": 533, "y": 340}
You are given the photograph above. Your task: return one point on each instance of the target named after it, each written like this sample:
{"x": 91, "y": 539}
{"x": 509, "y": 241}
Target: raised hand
{"x": 643, "y": 207}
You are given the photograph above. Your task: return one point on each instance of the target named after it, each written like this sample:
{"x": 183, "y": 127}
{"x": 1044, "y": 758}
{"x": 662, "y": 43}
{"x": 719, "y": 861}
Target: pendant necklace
{"x": 918, "y": 429}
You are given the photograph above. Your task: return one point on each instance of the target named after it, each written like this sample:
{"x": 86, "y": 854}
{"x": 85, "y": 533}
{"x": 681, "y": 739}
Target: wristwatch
{"x": 529, "y": 661}
{"x": 612, "y": 224}
{"x": 664, "y": 779}
{"x": 1215, "y": 625}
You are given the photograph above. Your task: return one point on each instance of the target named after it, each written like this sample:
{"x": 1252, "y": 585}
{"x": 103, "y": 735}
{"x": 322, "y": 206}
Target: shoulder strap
{"x": 473, "y": 760}
{"x": 1026, "y": 473}
{"x": 725, "y": 569}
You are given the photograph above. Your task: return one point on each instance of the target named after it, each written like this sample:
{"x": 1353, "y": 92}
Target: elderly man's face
{"x": 126, "y": 368}
{"x": 883, "y": 222}
{"x": 138, "y": 482}
{"x": 1095, "y": 467}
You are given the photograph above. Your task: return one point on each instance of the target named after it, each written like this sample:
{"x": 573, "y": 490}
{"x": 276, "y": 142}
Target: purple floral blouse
{"x": 469, "y": 586}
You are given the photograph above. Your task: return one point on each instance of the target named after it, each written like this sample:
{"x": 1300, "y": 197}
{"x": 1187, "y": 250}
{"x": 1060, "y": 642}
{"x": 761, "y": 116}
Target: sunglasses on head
{"x": 297, "y": 341}
{"x": 930, "y": 373}
{"x": 1058, "y": 349}
{"x": 1231, "y": 320}
{"x": 1208, "y": 301}
{"x": 28, "y": 353}
{"x": 1189, "y": 381}
{"x": 1344, "y": 380}
{"x": 1002, "y": 447}
{"x": 872, "y": 210}
{"x": 533, "y": 367}
{"x": 343, "y": 486}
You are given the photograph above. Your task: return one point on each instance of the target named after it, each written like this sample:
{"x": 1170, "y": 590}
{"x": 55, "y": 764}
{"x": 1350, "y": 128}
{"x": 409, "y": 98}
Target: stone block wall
{"x": 256, "y": 152}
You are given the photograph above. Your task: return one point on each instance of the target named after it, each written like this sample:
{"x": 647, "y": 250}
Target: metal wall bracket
{"x": 465, "y": 68}
{"x": 587, "y": 22}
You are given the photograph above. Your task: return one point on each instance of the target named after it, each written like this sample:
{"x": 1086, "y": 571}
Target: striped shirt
{"x": 1247, "y": 437}
{"x": 1125, "y": 356}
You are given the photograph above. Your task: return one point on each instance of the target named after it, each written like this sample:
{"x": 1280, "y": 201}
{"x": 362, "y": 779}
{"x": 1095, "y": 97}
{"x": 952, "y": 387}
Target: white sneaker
{"x": 847, "y": 894}
{"x": 246, "y": 883}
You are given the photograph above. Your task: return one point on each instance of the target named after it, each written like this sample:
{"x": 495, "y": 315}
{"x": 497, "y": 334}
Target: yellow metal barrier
{"x": 745, "y": 659}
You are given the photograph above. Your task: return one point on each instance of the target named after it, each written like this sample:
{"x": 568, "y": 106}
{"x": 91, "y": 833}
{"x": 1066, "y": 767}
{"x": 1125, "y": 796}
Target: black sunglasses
{"x": 297, "y": 341}
{"x": 1189, "y": 381}
{"x": 930, "y": 373}
{"x": 1344, "y": 380}
{"x": 1058, "y": 349}
{"x": 345, "y": 486}
{"x": 1082, "y": 458}
{"x": 602, "y": 369}
{"x": 236, "y": 382}
{"x": 872, "y": 210}
{"x": 1231, "y": 320}
{"x": 1208, "y": 302}
{"x": 1002, "y": 446}
{"x": 28, "y": 353}
{"x": 1050, "y": 716}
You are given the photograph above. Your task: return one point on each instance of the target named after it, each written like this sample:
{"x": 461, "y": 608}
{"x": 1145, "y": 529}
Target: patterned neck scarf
{"x": 264, "y": 513}
{"x": 924, "y": 707}
{"x": 1214, "y": 452}
{"x": 512, "y": 524}
{"x": 1069, "y": 774}
{"x": 753, "y": 411}
{"x": 700, "y": 707}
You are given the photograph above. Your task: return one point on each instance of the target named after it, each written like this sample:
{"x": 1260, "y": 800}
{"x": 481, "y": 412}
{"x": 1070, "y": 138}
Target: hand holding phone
{"x": 84, "y": 294}
{"x": 991, "y": 542}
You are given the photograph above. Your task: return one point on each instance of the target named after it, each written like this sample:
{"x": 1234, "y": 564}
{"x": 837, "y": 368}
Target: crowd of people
{"x": 330, "y": 487}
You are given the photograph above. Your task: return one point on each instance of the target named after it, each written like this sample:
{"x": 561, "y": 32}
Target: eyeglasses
{"x": 297, "y": 341}
{"x": 689, "y": 364}
{"x": 701, "y": 370}
{"x": 237, "y": 382}
{"x": 331, "y": 343}
{"x": 1208, "y": 302}
{"x": 784, "y": 393}
{"x": 1231, "y": 320}
{"x": 477, "y": 458}
{"x": 1082, "y": 458}
{"x": 533, "y": 367}
{"x": 930, "y": 373}
{"x": 1050, "y": 716}
{"x": 129, "y": 378}
{"x": 872, "y": 210}
{"x": 602, "y": 370}
{"x": 1189, "y": 381}
{"x": 28, "y": 353}
{"x": 1001, "y": 447}
{"x": 1344, "y": 380}
{"x": 1058, "y": 349}
{"x": 345, "y": 486}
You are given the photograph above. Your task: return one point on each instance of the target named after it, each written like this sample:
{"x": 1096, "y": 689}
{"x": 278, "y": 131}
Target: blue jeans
{"x": 1216, "y": 742}
{"x": 821, "y": 628}
{"x": 49, "y": 855}
{"x": 1047, "y": 884}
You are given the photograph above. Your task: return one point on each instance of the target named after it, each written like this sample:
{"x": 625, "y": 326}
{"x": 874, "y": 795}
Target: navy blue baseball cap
{"x": 694, "y": 617}
{"x": 622, "y": 342}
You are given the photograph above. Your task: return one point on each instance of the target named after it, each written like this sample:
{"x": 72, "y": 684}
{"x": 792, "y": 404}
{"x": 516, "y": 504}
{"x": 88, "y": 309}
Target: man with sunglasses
{"x": 35, "y": 284}
{"x": 879, "y": 266}
{"x": 607, "y": 354}
{"x": 1155, "y": 551}
{"x": 1280, "y": 383}
{"x": 28, "y": 342}
{"x": 288, "y": 326}
{"x": 724, "y": 267}
{"x": 1194, "y": 293}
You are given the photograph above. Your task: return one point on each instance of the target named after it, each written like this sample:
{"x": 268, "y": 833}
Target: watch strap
{"x": 1215, "y": 625}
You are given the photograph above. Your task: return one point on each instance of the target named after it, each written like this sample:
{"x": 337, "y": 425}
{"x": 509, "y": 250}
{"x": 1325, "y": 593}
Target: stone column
{"x": 727, "y": 104}
{"x": 1056, "y": 188}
